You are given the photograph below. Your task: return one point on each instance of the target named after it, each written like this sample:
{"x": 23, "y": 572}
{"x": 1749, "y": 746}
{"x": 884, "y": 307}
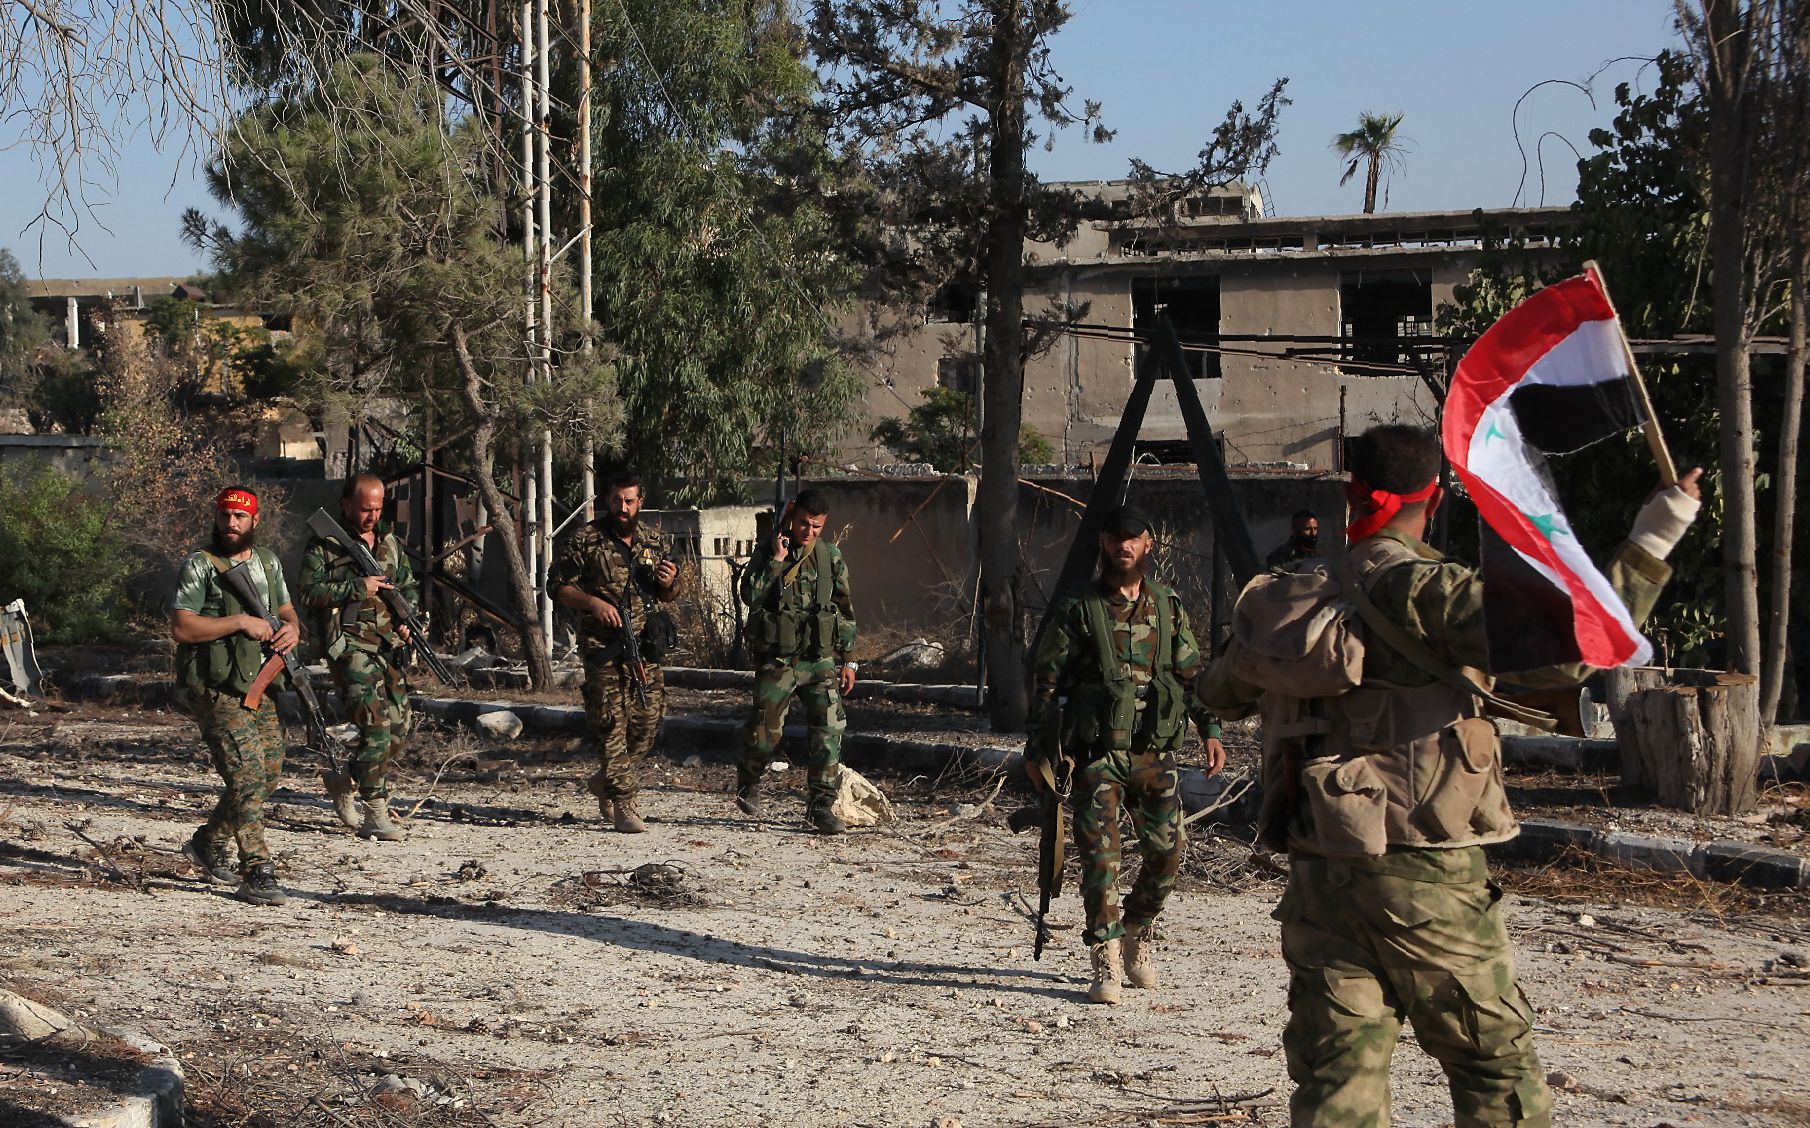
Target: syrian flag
{"x": 1551, "y": 377}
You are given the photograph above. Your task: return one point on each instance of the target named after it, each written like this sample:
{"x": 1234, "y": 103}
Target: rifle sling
{"x": 1421, "y": 656}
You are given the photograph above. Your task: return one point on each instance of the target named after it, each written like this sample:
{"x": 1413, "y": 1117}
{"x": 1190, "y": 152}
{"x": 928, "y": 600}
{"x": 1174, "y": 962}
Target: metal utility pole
{"x": 544, "y": 135}
{"x": 531, "y": 241}
{"x": 588, "y": 452}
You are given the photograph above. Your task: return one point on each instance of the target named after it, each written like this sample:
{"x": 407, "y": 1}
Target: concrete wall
{"x": 923, "y": 580}
{"x": 81, "y": 455}
{"x": 1268, "y": 410}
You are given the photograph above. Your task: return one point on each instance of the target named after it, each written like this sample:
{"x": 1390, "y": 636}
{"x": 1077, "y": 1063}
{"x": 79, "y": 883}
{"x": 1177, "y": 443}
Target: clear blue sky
{"x": 1166, "y": 70}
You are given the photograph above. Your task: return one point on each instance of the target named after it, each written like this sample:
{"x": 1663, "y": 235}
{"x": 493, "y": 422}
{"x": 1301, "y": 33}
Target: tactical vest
{"x": 787, "y": 627}
{"x": 1102, "y": 712}
{"x": 1383, "y": 764}
{"x": 227, "y": 664}
{"x": 333, "y": 625}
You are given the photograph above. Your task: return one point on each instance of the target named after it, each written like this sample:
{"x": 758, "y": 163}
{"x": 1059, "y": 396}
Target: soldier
{"x": 1120, "y": 649}
{"x": 801, "y": 627}
{"x": 1303, "y": 541}
{"x": 609, "y": 565}
{"x": 360, "y": 640}
{"x": 219, "y": 648}
{"x": 1389, "y": 914}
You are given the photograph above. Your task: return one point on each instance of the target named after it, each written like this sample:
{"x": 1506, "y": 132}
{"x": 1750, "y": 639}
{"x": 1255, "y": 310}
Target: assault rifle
{"x": 631, "y": 640}
{"x": 326, "y": 528}
{"x": 237, "y": 580}
{"x": 1052, "y": 775}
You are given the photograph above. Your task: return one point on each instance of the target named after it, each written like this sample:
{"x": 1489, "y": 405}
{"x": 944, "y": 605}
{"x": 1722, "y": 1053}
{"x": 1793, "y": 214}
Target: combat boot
{"x": 1139, "y": 970}
{"x": 260, "y": 887}
{"x": 344, "y": 797}
{"x": 628, "y": 819}
{"x": 747, "y": 795}
{"x": 377, "y": 822}
{"x": 599, "y": 790}
{"x": 1107, "y": 972}
{"x": 822, "y": 818}
{"x": 210, "y": 858}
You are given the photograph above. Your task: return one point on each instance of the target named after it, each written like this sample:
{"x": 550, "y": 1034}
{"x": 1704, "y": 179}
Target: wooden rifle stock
{"x": 254, "y": 694}
{"x": 1566, "y": 704}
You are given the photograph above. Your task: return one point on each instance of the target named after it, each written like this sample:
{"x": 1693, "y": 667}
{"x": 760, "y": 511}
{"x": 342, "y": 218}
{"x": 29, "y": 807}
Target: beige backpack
{"x": 1296, "y": 633}
{"x": 1301, "y": 634}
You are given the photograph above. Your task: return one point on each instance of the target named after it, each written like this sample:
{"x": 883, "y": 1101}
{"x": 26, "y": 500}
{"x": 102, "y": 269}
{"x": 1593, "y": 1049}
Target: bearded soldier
{"x": 1121, "y": 651}
{"x": 801, "y": 627}
{"x": 360, "y": 638}
{"x": 1384, "y": 796}
{"x": 612, "y": 569}
{"x": 219, "y": 649}
{"x": 1303, "y": 541}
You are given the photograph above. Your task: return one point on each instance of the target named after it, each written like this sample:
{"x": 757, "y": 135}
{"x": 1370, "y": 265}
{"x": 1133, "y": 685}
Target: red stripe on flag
{"x": 1502, "y": 356}
{"x": 1600, "y": 638}
{"x": 1493, "y": 366}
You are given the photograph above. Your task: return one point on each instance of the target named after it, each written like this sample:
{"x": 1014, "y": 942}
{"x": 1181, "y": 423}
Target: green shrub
{"x": 61, "y": 553}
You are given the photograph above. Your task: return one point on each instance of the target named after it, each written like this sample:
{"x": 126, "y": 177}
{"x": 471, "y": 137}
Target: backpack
{"x": 1301, "y": 634}
{"x": 1297, "y": 633}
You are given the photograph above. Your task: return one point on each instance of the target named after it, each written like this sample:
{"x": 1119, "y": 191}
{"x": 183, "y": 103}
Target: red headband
{"x": 1371, "y": 509}
{"x": 242, "y": 500}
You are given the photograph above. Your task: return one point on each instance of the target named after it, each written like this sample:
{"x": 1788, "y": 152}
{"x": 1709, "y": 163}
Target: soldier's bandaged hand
{"x": 1663, "y": 521}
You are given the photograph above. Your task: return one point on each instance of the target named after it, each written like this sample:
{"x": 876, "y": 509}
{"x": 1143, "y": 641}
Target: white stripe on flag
{"x": 1592, "y": 354}
{"x": 1497, "y": 457}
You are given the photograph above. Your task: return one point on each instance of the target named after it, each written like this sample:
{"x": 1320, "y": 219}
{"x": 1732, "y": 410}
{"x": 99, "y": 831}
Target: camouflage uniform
{"x": 798, "y": 638}
{"x": 246, "y": 746}
{"x": 597, "y": 563}
{"x": 1416, "y": 931}
{"x": 361, "y": 638}
{"x": 1133, "y": 766}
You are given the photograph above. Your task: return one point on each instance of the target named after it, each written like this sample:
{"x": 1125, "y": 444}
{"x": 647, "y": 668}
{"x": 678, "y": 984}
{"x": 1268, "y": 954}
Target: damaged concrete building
{"x": 1298, "y": 328}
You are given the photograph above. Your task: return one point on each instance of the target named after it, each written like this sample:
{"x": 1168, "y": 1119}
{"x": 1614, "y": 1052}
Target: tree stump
{"x": 1688, "y": 736}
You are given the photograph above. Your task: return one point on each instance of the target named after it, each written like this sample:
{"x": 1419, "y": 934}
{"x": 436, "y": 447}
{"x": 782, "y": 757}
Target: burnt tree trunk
{"x": 1684, "y": 736}
{"x": 483, "y": 459}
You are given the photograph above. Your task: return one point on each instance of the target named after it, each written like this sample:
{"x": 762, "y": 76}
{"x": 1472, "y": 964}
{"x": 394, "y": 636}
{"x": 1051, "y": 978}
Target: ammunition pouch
{"x": 659, "y": 636}
{"x": 789, "y": 631}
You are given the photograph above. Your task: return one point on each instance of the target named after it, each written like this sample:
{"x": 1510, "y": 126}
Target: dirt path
{"x": 883, "y": 978}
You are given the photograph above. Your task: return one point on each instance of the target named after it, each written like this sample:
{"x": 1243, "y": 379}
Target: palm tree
{"x": 1374, "y": 143}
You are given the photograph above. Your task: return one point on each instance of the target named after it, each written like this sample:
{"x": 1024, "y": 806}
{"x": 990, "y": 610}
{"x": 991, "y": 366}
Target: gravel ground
{"x": 511, "y": 963}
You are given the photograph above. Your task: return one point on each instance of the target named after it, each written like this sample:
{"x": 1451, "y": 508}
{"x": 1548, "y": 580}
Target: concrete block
{"x": 1543, "y": 839}
{"x": 1785, "y": 740}
{"x": 1748, "y": 864}
{"x": 552, "y": 718}
{"x": 1640, "y": 851}
{"x": 1567, "y": 753}
{"x": 153, "y": 1099}
{"x": 692, "y": 677}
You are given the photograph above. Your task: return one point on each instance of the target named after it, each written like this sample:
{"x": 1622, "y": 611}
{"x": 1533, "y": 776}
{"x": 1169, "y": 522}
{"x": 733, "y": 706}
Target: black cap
{"x": 1127, "y": 520}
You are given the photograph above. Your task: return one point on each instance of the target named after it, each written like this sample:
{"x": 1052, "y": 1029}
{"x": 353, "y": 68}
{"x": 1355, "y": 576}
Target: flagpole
{"x": 1668, "y": 473}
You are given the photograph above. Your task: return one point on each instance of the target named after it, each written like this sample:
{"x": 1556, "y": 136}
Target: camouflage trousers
{"x": 376, "y": 699}
{"x": 1421, "y": 942}
{"x": 623, "y": 726}
{"x": 1145, "y": 785}
{"x": 813, "y": 682}
{"x": 247, "y": 749}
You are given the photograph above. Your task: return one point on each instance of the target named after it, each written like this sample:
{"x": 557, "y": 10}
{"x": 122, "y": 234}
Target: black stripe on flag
{"x": 1529, "y": 622}
{"x": 1561, "y": 419}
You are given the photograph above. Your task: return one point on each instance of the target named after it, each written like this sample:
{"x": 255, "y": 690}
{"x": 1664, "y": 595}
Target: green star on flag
{"x": 1548, "y": 525}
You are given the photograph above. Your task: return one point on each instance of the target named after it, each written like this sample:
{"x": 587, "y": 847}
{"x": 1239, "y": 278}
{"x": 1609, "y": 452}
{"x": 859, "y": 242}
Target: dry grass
{"x": 1577, "y": 876}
